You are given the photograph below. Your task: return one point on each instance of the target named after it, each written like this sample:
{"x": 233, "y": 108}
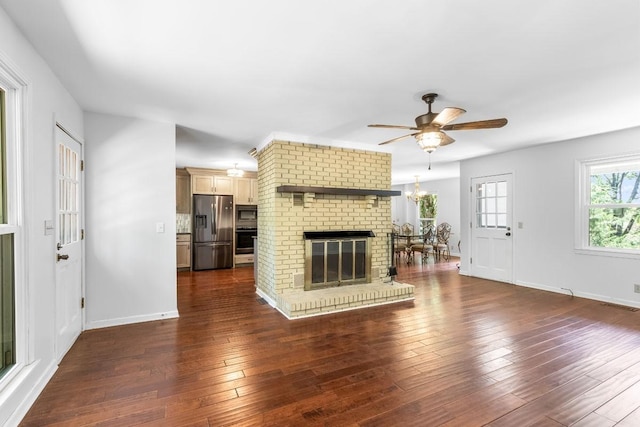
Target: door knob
{"x": 508, "y": 233}
{"x": 59, "y": 257}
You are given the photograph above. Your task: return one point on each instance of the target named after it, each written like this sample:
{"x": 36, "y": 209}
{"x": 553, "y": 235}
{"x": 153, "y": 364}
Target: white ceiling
{"x": 230, "y": 73}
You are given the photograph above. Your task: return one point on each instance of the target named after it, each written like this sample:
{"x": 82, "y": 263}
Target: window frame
{"x": 16, "y": 106}
{"x": 583, "y": 205}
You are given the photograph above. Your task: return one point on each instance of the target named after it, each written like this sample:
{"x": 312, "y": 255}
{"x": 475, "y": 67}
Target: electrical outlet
{"x": 636, "y": 289}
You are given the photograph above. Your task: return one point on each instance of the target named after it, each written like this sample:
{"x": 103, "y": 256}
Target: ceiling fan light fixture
{"x": 430, "y": 140}
{"x": 235, "y": 172}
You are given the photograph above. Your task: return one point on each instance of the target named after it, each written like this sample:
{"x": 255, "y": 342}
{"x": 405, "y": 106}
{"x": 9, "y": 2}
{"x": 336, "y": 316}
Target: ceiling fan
{"x": 430, "y": 126}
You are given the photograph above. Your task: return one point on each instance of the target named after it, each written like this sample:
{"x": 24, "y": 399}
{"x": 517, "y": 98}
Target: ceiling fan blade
{"x": 393, "y": 127}
{"x": 446, "y": 140}
{"x": 482, "y": 124}
{"x": 399, "y": 137}
{"x": 447, "y": 115}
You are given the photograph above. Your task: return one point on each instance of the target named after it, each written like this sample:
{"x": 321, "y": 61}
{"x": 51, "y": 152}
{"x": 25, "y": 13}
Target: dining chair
{"x": 426, "y": 245}
{"x": 443, "y": 231}
{"x": 407, "y": 229}
{"x": 399, "y": 243}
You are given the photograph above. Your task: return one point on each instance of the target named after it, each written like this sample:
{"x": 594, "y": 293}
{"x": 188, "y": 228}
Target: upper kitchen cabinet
{"x": 215, "y": 181}
{"x": 246, "y": 191}
{"x": 183, "y": 192}
{"x": 211, "y": 184}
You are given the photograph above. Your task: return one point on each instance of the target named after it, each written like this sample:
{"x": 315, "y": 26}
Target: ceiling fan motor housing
{"x": 425, "y": 119}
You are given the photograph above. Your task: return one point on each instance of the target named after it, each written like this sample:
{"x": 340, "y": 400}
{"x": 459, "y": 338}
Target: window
{"x": 14, "y": 352}
{"x": 491, "y": 204}
{"x": 610, "y": 207}
{"x": 427, "y": 211}
{"x": 7, "y": 282}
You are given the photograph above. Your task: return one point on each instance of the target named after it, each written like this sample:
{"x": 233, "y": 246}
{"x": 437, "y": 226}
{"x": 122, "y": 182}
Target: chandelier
{"x": 234, "y": 171}
{"x": 416, "y": 195}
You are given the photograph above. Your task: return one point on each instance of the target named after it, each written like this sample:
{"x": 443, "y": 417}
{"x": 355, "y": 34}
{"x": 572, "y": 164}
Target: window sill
{"x": 614, "y": 253}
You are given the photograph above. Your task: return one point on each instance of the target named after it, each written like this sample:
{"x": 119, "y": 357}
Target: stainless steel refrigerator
{"x": 212, "y": 232}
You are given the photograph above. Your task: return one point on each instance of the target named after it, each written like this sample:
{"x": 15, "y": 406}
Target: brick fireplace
{"x": 309, "y": 188}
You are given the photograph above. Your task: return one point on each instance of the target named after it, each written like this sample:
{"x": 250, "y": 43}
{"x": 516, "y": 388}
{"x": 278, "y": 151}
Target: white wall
{"x": 130, "y": 189}
{"x": 48, "y": 101}
{"x": 448, "y": 191}
{"x": 544, "y": 201}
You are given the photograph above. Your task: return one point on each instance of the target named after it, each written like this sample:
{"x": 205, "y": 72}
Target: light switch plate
{"x": 48, "y": 227}
{"x": 159, "y": 227}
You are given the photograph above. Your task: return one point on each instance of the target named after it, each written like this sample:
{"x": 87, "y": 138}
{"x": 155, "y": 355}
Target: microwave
{"x": 246, "y": 214}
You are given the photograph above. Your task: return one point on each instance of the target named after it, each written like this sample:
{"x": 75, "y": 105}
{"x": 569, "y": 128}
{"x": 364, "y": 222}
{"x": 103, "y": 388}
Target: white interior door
{"x": 491, "y": 234}
{"x": 68, "y": 247}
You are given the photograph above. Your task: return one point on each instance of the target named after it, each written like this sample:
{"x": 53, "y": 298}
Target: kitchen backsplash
{"x": 183, "y": 223}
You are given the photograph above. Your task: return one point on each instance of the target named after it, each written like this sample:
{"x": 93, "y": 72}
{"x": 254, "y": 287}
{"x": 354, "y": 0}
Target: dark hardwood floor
{"x": 466, "y": 352}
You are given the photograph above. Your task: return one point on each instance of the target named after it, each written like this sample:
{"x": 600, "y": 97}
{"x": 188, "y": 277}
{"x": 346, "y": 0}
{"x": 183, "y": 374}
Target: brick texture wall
{"x": 281, "y": 222}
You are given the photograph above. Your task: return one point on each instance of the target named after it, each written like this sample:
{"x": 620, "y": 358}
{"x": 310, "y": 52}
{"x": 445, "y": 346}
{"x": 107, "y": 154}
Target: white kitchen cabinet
{"x": 246, "y": 191}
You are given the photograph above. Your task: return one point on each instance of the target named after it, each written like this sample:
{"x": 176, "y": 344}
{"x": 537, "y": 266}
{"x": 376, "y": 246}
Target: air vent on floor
{"x": 623, "y": 307}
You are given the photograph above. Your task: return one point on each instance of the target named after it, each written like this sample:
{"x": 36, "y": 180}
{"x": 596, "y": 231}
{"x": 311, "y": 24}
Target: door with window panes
{"x": 491, "y": 234}
{"x": 68, "y": 248}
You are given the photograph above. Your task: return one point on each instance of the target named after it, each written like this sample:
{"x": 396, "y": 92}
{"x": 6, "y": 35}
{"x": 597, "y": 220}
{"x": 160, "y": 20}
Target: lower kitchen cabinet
{"x": 183, "y": 250}
{"x": 244, "y": 259}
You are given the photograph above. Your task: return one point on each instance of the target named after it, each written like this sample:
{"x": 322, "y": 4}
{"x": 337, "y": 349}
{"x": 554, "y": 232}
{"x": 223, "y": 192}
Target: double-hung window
{"x": 14, "y": 353}
{"x": 7, "y": 271}
{"x": 610, "y": 205}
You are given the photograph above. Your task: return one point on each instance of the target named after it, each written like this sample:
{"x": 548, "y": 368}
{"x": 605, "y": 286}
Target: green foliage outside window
{"x": 614, "y": 211}
{"x": 429, "y": 206}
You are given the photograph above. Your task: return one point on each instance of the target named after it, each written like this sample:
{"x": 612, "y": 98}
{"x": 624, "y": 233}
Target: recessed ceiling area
{"x": 229, "y": 74}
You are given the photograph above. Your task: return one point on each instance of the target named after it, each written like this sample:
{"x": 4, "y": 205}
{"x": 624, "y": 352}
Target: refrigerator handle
{"x": 214, "y": 231}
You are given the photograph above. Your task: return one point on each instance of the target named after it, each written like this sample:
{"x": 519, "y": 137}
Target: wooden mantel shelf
{"x": 333, "y": 190}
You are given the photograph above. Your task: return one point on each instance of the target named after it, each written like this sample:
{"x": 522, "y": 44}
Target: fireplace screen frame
{"x": 310, "y": 284}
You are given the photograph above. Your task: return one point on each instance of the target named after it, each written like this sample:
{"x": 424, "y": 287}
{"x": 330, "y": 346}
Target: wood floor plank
{"x": 594, "y": 420}
{"x": 467, "y": 351}
{"x": 594, "y": 398}
{"x": 547, "y": 402}
{"x": 621, "y": 405}
{"x": 631, "y": 420}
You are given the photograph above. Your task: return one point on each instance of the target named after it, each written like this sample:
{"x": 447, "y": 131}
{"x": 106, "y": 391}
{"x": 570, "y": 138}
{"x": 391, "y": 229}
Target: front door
{"x": 68, "y": 242}
{"x": 491, "y": 240}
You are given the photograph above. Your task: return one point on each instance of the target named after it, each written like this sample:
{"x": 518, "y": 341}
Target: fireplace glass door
{"x": 337, "y": 262}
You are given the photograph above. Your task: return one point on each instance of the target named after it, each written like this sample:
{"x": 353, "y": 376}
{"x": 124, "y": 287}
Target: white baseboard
{"x": 265, "y": 297}
{"x": 33, "y": 391}
{"x": 587, "y": 295}
{"x": 133, "y": 319}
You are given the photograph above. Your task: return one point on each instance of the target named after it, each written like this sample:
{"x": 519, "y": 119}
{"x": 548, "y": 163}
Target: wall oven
{"x": 244, "y": 240}
{"x": 246, "y": 228}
